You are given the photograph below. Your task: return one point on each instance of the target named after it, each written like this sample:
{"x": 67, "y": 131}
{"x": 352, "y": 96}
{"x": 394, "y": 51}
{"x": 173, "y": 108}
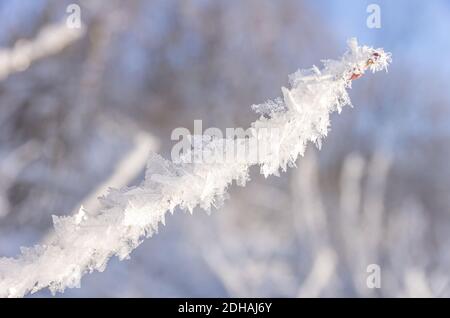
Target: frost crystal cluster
{"x": 85, "y": 242}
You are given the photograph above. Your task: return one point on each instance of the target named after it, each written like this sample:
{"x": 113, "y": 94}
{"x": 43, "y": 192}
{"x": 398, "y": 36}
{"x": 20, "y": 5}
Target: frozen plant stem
{"x": 84, "y": 243}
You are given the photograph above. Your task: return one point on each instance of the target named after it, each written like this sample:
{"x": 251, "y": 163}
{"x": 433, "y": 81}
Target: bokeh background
{"x": 79, "y": 114}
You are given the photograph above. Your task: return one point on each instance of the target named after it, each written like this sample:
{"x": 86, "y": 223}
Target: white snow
{"x": 84, "y": 243}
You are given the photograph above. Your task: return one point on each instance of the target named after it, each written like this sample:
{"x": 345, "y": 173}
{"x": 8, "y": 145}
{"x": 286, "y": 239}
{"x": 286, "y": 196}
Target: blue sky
{"x": 416, "y": 32}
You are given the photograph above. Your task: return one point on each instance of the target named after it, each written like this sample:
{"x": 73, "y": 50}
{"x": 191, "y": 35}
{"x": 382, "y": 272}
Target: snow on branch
{"x": 50, "y": 40}
{"x": 84, "y": 243}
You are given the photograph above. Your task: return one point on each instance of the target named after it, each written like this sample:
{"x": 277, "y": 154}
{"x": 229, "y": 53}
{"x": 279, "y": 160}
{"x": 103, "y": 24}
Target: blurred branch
{"x": 311, "y": 224}
{"x": 125, "y": 171}
{"x": 51, "y": 40}
{"x": 322, "y": 271}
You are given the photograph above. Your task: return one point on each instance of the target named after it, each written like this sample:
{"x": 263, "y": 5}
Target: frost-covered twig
{"x": 84, "y": 243}
{"x": 50, "y": 40}
{"x": 126, "y": 170}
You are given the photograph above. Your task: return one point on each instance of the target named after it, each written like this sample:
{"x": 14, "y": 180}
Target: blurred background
{"x": 80, "y": 110}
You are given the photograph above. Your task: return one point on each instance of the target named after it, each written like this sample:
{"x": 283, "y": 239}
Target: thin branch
{"x": 51, "y": 40}
{"x": 84, "y": 243}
